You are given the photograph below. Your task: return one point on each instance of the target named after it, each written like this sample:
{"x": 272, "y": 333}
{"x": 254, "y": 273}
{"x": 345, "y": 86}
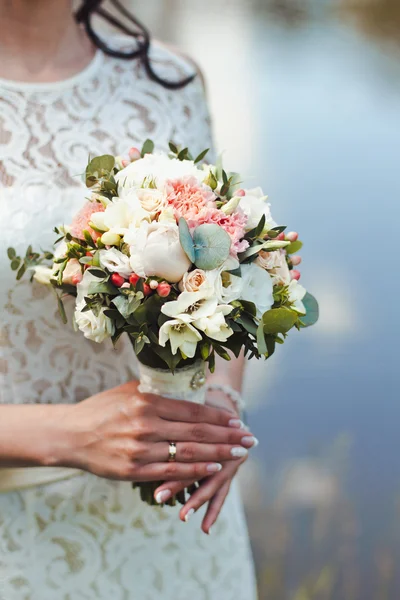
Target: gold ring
{"x": 172, "y": 452}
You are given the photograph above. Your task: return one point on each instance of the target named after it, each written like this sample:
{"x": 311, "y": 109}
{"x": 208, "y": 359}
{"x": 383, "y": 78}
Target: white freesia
{"x": 96, "y": 328}
{"x": 254, "y": 204}
{"x": 190, "y": 306}
{"x": 156, "y": 251}
{"x": 215, "y": 326}
{"x": 120, "y": 214}
{"x": 276, "y": 264}
{"x": 181, "y": 336}
{"x": 115, "y": 261}
{"x": 43, "y": 274}
{"x": 257, "y": 287}
{"x": 227, "y": 287}
{"x": 157, "y": 168}
{"x": 296, "y": 295}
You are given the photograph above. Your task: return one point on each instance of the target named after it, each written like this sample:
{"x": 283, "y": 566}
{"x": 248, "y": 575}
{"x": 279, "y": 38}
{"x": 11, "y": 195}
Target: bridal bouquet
{"x": 180, "y": 259}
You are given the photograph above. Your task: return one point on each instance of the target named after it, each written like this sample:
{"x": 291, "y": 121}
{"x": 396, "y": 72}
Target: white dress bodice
{"x": 89, "y": 538}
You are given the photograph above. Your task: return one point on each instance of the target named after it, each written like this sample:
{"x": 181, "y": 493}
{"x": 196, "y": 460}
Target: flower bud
{"x": 125, "y": 162}
{"x": 147, "y": 289}
{"x": 231, "y": 206}
{"x": 125, "y": 286}
{"x": 164, "y": 289}
{"x": 117, "y": 279}
{"x": 110, "y": 239}
{"x": 153, "y": 284}
{"x": 240, "y": 193}
{"x": 134, "y": 154}
{"x": 281, "y": 237}
{"x": 292, "y": 236}
{"x": 76, "y": 278}
{"x": 295, "y": 260}
{"x": 294, "y": 274}
{"x": 133, "y": 279}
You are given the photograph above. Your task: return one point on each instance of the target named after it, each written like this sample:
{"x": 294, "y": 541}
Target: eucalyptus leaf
{"x": 148, "y": 148}
{"x": 186, "y": 240}
{"x": 312, "y": 308}
{"x": 294, "y": 247}
{"x": 21, "y": 271}
{"x": 102, "y": 288}
{"x": 211, "y": 246}
{"x": 279, "y": 320}
{"x": 261, "y": 343}
{"x": 11, "y": 253}
{"x": 15, "y": 263}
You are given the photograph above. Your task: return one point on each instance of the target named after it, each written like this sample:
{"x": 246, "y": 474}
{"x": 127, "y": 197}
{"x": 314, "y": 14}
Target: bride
{"x": 74, "y": 429}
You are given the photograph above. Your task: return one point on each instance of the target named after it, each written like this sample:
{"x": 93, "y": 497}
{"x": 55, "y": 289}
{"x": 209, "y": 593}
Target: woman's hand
{"x": 123, "y": 434}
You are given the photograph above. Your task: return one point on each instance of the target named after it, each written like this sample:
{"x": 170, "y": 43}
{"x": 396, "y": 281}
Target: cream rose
{"x": 275, "y": 263}
{"x": 195, "y": 281}
{"x": 151, "y": 200}
{"x": 95, "y": 328}
{"x": 156, "y": 251}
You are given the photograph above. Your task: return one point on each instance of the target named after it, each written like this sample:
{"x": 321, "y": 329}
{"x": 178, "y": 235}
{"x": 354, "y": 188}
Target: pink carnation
{"x": 187, "y": 197}
{"x": 81, "y": 221}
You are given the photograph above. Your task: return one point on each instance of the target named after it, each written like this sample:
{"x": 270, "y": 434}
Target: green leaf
{"x": 268, "y": 246}
{"x": 97, "y": 272}
{"x": 201, "y": 156}
{"x": 21, "y": 271}
{"x": 312, "y": 308}
{"x": 249, "y": 307}
{"x": 205, "y": 350}
{"x": 249, "y": 325}
{"x": 261, "y": 343}
{"x": 279, "y": 320}
{"x": 86, "y": 260}
{"x": 139, "y": 345}
{"x": 102, "y": 288}
{"x": 174, "y": 149}
{"x": 15, "y": 263}
{"x": 279, "y": 229}
{"x": 11, "y": 253}
{"x": 126, "y": 305}
{"x": 148, "y": 148}
{"x": 61, "y": 310}
{"x": 270, "y": 340}
{"x": 211, "y": 362}
{"x": 99, "y": 167}
{"x": 186, "y": 240}
{"x": 88, "y": 239}
{"x": 212, "y": 245}
{"x": 166, "y": 355}
{"x": 294, "y": 247}
{"x": 183, "y": 154}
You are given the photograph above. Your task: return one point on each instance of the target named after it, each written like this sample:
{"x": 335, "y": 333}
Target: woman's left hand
{"x": 213, "y": 490}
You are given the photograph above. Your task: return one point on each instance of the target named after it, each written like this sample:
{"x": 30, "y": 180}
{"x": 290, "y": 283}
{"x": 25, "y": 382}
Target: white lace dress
{"x": 88, "y": 538}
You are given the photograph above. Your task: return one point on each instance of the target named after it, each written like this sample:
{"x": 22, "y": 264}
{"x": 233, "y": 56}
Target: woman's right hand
{"x": 123, "y": 434}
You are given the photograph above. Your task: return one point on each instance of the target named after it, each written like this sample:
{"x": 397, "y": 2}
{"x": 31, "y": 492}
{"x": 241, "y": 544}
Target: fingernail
{"x": 163, "y": 496}
{"x": 214, "y": 467}
{"x": 189, "y": 514}
{"x": 237, "y": 423}
{"x": 209, "y": 531}
{"x": 239, "y": 452}
{"x": 250, "y": 441}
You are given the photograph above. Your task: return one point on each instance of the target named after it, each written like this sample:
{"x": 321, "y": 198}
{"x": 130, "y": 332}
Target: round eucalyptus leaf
{"x": 186, "y": 240}
{"x": 312, "y": 308}
{"x": 211, "y": 246}
{"x": 279, "y": 320}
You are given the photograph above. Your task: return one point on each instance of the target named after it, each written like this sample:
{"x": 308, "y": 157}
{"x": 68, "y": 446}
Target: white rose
{"x": 257, "y": 288}
{"x": 115, "y": 261}
{"x": 94, "y": 328}
{"x": 276, "y": 264}
{"x": 156, "y": 251}
{"x": 196, "y": 281}
{"x": 227, "y": 287}
{"x": 157, "y": 168}
{"x": 151, "y": 200}
{"x": 254, "y": 206}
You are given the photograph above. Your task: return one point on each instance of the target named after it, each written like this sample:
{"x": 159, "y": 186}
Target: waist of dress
{"x": 12, "y": 480}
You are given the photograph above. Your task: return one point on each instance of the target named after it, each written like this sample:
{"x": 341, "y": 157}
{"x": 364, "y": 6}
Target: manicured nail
{"x": 250, "y": 441}
{"x": 189, "y": 514}
{"x": 239, "y": 452}
{"x": 214, "y": 467}
{"x": 209, "y": 531}
{"x": 237, "y": 423}
{"x": 163, "y": 496}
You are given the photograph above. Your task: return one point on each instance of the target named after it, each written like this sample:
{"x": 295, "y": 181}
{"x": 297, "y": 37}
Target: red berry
{"x": 281, "y": 236}
{"x": 294, "y": 274}
{"x": 147, "y": 289}
{"x": 117, "y": 280}
{"x": 89, "y": 254}
{"x": 133, "y": 279}
{"x": 164, "y": 289}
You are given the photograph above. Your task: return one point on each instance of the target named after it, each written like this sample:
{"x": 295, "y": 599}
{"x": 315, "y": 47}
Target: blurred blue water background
{"x": 306, "y": 101}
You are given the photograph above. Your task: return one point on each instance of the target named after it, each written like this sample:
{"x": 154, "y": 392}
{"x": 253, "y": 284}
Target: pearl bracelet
{"x": 234, "y": 395}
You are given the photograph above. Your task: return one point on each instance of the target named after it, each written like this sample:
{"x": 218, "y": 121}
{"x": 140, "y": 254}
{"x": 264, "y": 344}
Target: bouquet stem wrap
{"x": 187, "y": 383}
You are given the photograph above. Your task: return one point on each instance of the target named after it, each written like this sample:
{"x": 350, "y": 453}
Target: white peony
{"x": 215, "y": 326}
{"x": 156, "y": 251}
{"x": 157, "y": 168}
{"x": 276, "y": 264}
{"x": 257, "y": 288}
{"x": 115, "y": 261}
{"x": 254, "y": 205}
{"x": 227, "y": 287}
{"x": 95, "y": 328}
{"x": 296, "y": 295}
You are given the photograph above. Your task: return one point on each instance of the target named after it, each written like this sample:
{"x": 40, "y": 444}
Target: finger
{"x": 205, "y": 492}
{"x": 171, "y": 488}
{"x": 194, "y": 452}
{"x": 214, "y": 508}
{"x": 190, "y": 412}
{"x": 205, "y": 434}
{"x": 173, "y": 471}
